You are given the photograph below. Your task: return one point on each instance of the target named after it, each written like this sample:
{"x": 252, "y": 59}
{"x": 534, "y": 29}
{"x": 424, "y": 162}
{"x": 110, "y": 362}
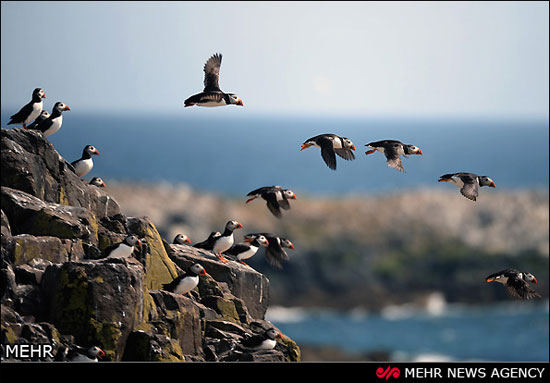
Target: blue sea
{"x": 515, "y": 331}
{"x": 233, "y": 153}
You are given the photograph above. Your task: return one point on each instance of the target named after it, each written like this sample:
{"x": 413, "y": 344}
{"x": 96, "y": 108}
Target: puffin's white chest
{"x": 247, "y": 254}
{"x": 122, "y": 251}
{"x": 187, "y": 284}
{"x": 36, "y": 110}
{"x": 223, "y": 244}
{"x": 83, "y": 167}
{"x": 455, "y": 180}
{"x": 337, "y": 143}
{"x": 213, "y": 103}
{"x": 268, "y": 344}
{"x": 56, "y": 124}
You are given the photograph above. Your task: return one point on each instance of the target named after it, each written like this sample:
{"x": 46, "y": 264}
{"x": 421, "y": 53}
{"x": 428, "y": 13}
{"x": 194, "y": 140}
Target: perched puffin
{"x": 515, "y": 282}
{"x": 330, "y": 145}
{"x": 43, "y": 115}
{"x": 53, "y": 123}
{"x": 274, "y": 253}
{"x": 181, "y": 239}
{"x": 468, "y": 183}
{"x": 97, "y": 181}
{"x": 275, "y": 196}
{"x": 212, "y": 95}
{"x": 247, "y": 250}
{"x": 225, "y": 240}
{"x": 265, "y": 341}
{"x": 78, "y": 354}
{"x": 208, "y": 244}
{"x": 83, "y": 165}
{"x": 30, "y": 111}
{"x": 123, "y": 249}
{"x": 393, "y": 150}
{"x": 187, "y": 281}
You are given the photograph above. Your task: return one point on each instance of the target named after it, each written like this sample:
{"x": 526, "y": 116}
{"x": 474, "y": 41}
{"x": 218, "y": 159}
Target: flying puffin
{"x": 265, "y": 341}
{"x": 468, "y": 183}
{"x": 181, "y": 239}
{"x": 53, "y": 123}
{"x": 275, "y": 196}
{"x": 225, "y": 240}
{"x": 187, "y": 281}
{"x": 330, "y": 145}
{"x": 247, "y": 250}
{"x": 43, "y": 115}
{"x": 123, "y": 249}
{"x": 30, "y": 111}
{"x": 97, "y": 181}
{"x": 515, "y": 282}
{"x": 212, "y": 95}
{"x": 83, "y": 165}
{"x": 393, "y": 150}
{"x": 208, "y": 244}
{"x": 274, "y": 253}
{"x": 79, "y": 354}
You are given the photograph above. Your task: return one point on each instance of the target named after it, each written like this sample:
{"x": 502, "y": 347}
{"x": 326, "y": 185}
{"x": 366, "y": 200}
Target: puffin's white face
{"x": 97, "y": 181}
{"x": 486, "y": 181}
{"x": 40, "y": 93}
{"x": 132, "y": 240}
{"x": 347, "y": 143}
{"x": 289, "y": 194}
{"x": 262, "y": 240}
{"x": 198, "y": 269}
{"x": 182, "y": 239}
{"x": 95, "y": 351}
{"x": 286, "y": 243}
{"x": 61, "y": 107}
{"x": 529, "y": 277}
{"x": 235, "y": 99}
{"x": 232, "y": 225}
{"x": 272, "y": 334}
{"x": 91, "y": 150}
{"x": 45, "y": 114}
{"x": 414, "y": 149}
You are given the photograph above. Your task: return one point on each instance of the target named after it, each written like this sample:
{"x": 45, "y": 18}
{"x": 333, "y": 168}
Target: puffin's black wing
{"x": 272, "y": 204}
{"x": 253, "y": 341}
{"x": 392, "y": 157}
{"x": 346, "y": 154}
{"x": 284, "y": 204}
{"x": 20, "y": 116}
{"x": 327, "y": 152}
{"x": 519, "y": 288}
{"x": 207, "y": 244}
{"x": 263, "y": 189}
{"x": 470, "y": 189}
{"x": 275, "y": 254}
{"x": 172, "y": 285}
{"x": 212, "y": 73}
{"x": 237, "y": 249}
{"x": 43, "y": 125}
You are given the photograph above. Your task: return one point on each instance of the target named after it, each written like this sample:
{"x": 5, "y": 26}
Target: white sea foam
{"x": 280, "y": 314}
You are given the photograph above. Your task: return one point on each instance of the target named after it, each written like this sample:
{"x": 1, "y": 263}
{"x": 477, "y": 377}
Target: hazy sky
{"x": 374, "y": 59}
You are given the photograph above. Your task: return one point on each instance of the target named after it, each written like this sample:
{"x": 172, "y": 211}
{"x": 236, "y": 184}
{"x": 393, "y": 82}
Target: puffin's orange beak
{"x": 67, "y": 107}
{"x": 305, "y": 146}
{"x": 240, "y": 103}
{"x": 535, "y": 280}
{"x": 492, "y": 185}
{"x": 419, "y": 152}
{"x": 353, "y": 147}
{"x": 490, "y": 280}
{"x": 239, "y": 226}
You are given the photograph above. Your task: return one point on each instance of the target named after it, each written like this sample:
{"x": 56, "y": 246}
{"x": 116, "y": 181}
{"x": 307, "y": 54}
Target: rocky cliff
{"x": 55, "y": 288}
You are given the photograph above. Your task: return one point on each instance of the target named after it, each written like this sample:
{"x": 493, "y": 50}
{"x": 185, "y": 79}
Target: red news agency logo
{"x": 389, "y": 372}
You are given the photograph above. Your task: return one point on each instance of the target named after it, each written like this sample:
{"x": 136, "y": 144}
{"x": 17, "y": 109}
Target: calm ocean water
{"x": 233, "y": 154}
{"x": 515, "y": 331}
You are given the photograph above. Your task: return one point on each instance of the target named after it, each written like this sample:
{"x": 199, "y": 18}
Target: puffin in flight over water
{"x": 330, "y": 145}
{"x": 187, "y": 281}
{"x": 274, "y": 253}
{"x": 275, "y": 196}
{"x": 212, "y": 95}
{"x": 516, "y": 283}
{"x": 30, "y": 111}
{"x": 264, "y": 341}
{"x": 53, "y": 123}
{"x": 84, "y": 164}
{"x": 247, "y": 250}
{"x": 468, "y": 183}
{"x": 393, "y": 150}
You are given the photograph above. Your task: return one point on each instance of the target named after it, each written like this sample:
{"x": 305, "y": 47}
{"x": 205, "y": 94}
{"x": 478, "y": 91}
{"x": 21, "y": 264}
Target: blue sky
{"x": 485, "y": 59}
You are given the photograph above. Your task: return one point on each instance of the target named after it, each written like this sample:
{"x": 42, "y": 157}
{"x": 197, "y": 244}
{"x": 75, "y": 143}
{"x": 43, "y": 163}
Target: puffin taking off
{"x": 330, "y": 145}
{"x": 275, "y": 196}
{"x": 187, "y": 281}
{"x": 208, "y": 244}
{"x": 53, "y": 123}
{"x": 393, "y": 150}
{"x": 468, "y": 183}
{"x": 516, "y": 283}
{"x": 79, "y": 354}
{"x": 96, "y": 181}
{"x": 43, "y": 115}
{"x": 265, "y": 341}
{"x": 123, "y": 249}
{"x": 274, "y": 253}
{"x": 212, "y": 95}
{"x": 84, "y": 164}
{"x": 225, "y": 240}
{"x": 247, "y": 250}
{"x": 30, "y": 111}
{"x": 181, "y": 239}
